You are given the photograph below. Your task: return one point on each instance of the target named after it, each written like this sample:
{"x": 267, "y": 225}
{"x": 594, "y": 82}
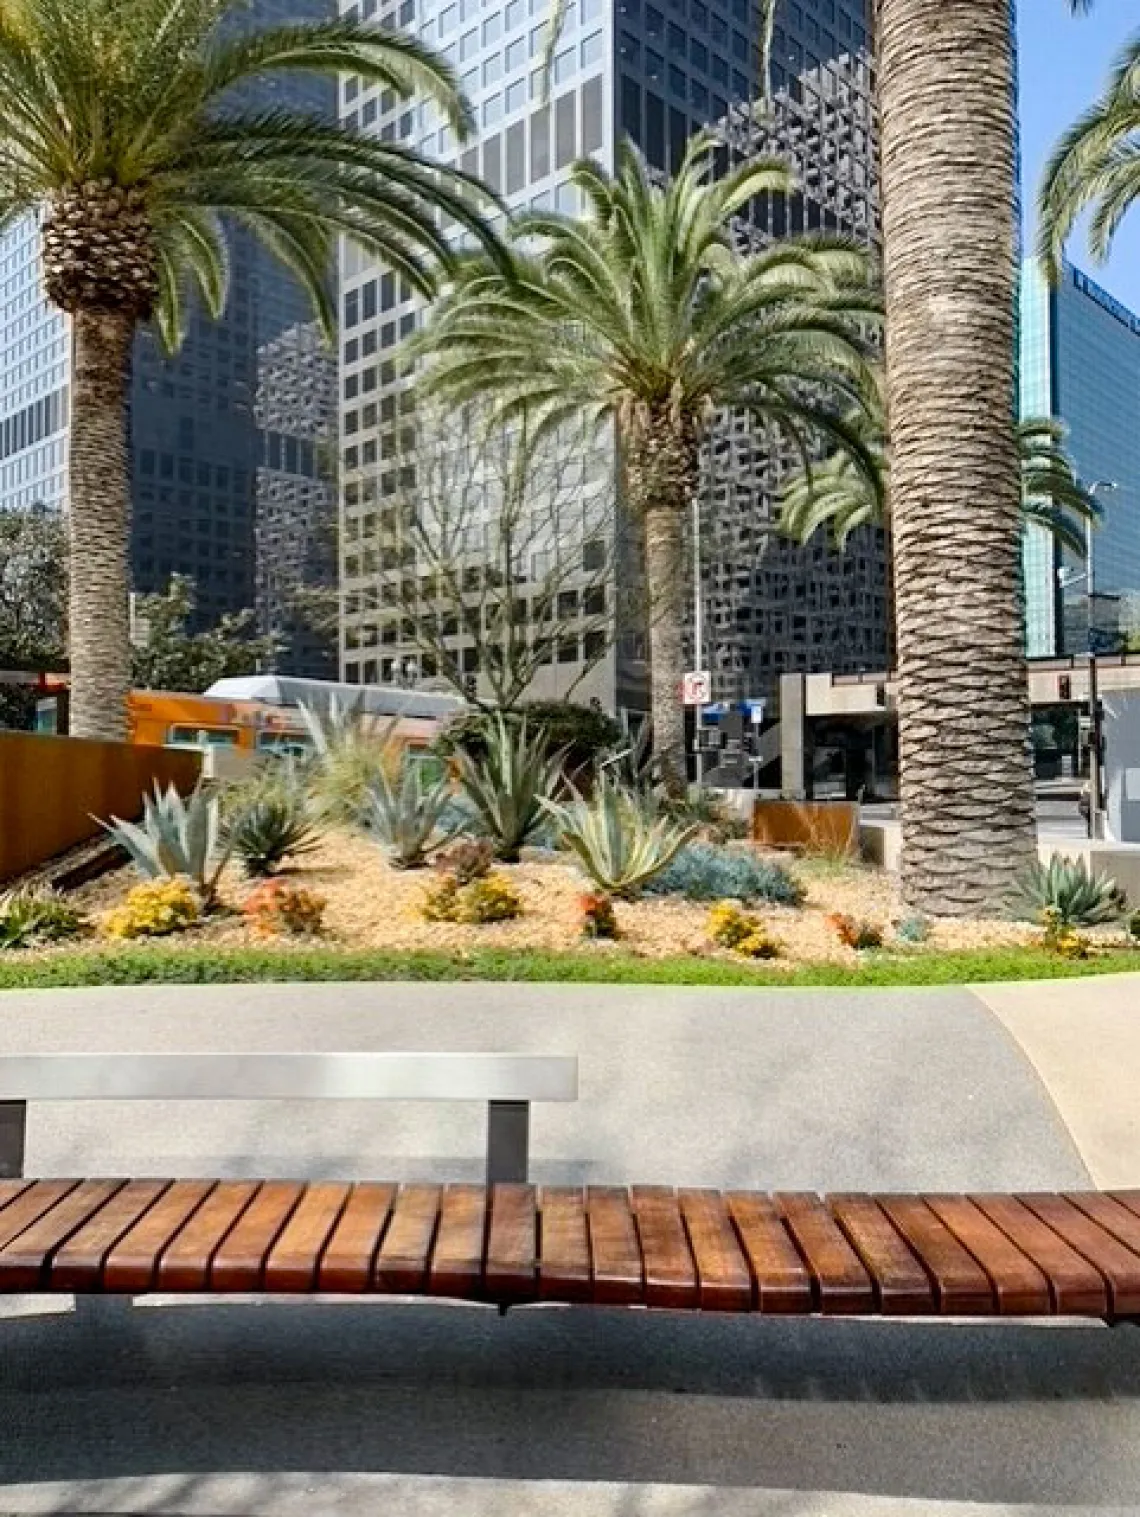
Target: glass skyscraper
{"x": 656, "y": 73}
{"x": 1080, "y": 362}
{"x": 196, "y": 447}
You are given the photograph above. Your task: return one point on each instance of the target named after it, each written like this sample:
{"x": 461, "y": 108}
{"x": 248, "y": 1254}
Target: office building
{"x": 1080, "y": 362}
{"x": 656, "y": 73}
{"x": 296, "y": 512}
{"x": 196, "y": 447}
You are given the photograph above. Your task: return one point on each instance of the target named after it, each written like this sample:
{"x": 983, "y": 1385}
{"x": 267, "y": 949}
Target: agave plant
{"x": 273, "y": 822}
{"x": 29, "y": 915}
{"x": 1071, "y": 895}
{"x": 351, "y": 753}
{"x": 408, "y": 814}
{"x": 508, "y": 780}
{"x": 177, "y": 837}
{"x": 621, "y": 836}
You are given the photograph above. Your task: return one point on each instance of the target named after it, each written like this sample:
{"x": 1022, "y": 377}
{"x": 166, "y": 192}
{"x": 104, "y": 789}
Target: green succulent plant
{"x": 410, "y": 814}
{"x": 178, "y": 837}
{"x": 508, "y": 779}
{"x": 275, "y": 825}
{"x": 1067, "y": 890}
{"x": 622, "y": 837}
{"x": 30, "y": 915}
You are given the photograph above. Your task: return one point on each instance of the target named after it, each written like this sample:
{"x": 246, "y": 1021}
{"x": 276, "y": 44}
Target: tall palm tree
{"x": 946, "y": 95}
{"x": 1095, "y": 167}
{"x": 837, "y": 495}
{"x": 642, "y": 314}
{"x": 127, "y": 131}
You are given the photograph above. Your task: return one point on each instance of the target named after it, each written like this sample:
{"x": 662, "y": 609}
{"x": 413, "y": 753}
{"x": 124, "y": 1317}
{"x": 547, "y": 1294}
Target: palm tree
{"x": 946, "y": 96}
{"x": 643, "y": 315}
{"x": 129, "y": 131}
{"x": 1095, "y": 168}
{"x": 839, "y": 496}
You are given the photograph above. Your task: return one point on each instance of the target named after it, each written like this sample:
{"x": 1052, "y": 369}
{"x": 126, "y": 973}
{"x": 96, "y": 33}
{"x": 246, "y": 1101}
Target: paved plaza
{"x": 283, "y": 1407}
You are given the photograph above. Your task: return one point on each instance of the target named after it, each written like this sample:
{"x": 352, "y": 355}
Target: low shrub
{"x": 1132, "y": 926}
{"x": 467, "y": 860}
{"x": 278, "y": 908}
{"x": 30, "y": 916}
{"x": 491, "y": 898}
{"x": 703, "y": 872}
{"x": 581, "y": 735}
{"x": 155, "y": 909}
{"x": 1059, "y": 937}
{"x": 716, "y": 821}
{"x": 1066, "y": 887}
{"x": 599, "y": 919}
{"x": 912, "y": 930}
{"x": 730, "y": 927}
{"x": 855, "y": 933}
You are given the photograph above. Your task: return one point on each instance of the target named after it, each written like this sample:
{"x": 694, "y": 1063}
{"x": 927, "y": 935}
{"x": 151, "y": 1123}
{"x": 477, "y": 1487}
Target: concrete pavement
{"x": 218, "y": 1411}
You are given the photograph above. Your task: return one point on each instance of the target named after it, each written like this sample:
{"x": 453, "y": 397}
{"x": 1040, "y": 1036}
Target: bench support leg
{"x": 508, "y": 1142}
{"x": 13, "y": 1125}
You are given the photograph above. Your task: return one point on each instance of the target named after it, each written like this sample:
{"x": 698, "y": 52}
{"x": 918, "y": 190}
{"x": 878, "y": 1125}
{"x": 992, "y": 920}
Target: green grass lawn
{"x": 188, "y": 965}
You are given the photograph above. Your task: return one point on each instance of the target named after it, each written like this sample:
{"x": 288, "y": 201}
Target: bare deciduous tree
{"x": 495, "y": 555}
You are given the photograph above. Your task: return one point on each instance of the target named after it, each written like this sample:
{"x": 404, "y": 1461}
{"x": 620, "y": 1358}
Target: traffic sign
{"x": 696, "y": 688}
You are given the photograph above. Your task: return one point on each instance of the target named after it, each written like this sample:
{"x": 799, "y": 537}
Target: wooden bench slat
{"x": 722, "y": 1270}
{"x": 964, "y": 1288}
{"x": 30, "y": 1206}
{"x": 1110, "y": 1215}
{"x": 25, "y": 1261}
{"x": 131, "y": 1263}
{"x": 841, "y": 1285}
{"x": 294, "y": 1257}
{"x": 1119, "y": 1265}
{"x": 348, "y": 1262}
{"x": 667, "y": 1259}
{"x": 78, "y": 1265}
{"x": 511, "y": 1271}
{"x": 781, "y": 1279}
{"x": 185, "y": 1261}
{"x": 1129, "y": 1199}
{"x": 456, "y": 1267}
{"x": 901, "y": 1283}
{"x": 1021, "y": 1289}
{"x": 239, "y": 1262}
{"x": 11, "y": 1190}
{"x": 402, "y": 1262}
{"x": 564, "y": 1245}
{"x": 614, "y": 1249}
{"x": 1074, "y": 1284}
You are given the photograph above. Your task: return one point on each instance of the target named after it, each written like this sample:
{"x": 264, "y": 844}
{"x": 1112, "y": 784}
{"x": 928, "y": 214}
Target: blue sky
{"x": 1064, "y": 63}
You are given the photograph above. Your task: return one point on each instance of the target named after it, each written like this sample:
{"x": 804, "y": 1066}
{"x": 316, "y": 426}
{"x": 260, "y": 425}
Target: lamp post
{"x": 1096, "y": 725}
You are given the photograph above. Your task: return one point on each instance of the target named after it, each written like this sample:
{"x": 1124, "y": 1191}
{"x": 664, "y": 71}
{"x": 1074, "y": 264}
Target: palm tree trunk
{"x": 99, "y": 516}
{"x": 666, "y": 578}
{"x": 947, "y": 109}
{"x": 661, "y": 457}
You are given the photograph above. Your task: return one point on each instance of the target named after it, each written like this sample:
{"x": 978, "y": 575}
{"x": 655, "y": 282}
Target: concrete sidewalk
{"x": 278, "y": 1408}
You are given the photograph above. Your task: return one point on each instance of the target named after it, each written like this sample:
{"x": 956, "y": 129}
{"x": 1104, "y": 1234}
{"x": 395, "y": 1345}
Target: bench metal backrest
{"x": 507, "y": 1082}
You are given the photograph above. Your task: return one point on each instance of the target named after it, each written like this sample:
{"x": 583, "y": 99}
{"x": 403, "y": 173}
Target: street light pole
{"x": 1096, "y": 723}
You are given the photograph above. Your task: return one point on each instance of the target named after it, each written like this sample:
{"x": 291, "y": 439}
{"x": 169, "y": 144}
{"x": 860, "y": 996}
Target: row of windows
{"x": 385, "y": 671}
{"x": 152, "y": 464}
{"x": 567, "y": 606}
{"x": 42, "y": 419}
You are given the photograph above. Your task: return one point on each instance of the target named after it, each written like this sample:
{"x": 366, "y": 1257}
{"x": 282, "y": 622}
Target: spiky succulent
{"x": 1071, "y": 894}
{"x": 621, "y": 837}
{"x": 177, "y": 837}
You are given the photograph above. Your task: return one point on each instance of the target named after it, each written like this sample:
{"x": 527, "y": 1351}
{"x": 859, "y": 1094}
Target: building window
{"x": 565, "y": 135}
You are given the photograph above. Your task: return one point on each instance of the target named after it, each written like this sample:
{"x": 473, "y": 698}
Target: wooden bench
{"x": 509, "y": 1243}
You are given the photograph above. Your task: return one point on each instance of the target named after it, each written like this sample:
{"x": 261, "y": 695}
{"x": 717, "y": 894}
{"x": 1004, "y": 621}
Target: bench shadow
{"x": 930, "y": 1410}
